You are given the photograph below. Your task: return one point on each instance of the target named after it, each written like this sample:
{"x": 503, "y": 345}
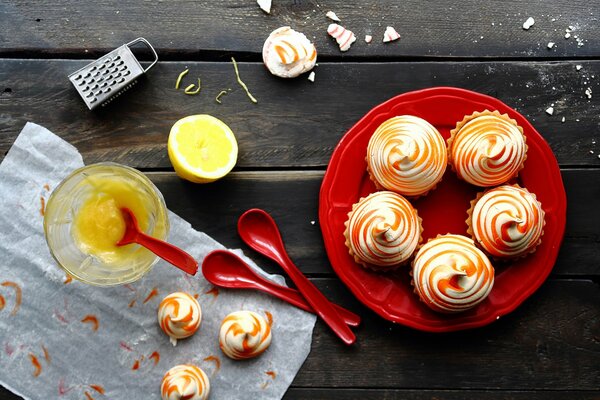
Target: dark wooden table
{"x": 549, "y": 348}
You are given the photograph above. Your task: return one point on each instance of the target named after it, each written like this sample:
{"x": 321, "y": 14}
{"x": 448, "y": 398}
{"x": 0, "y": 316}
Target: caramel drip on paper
{"x": 68, "y": 279}
{"x": 92, "y": 320}
{"x": 155, "y": 356}
{"x": 214, "y": 292}
{"x": 272, "y": 374}
{"x": 42, "y": 206}
{"x": 36, "y": 364}
{"x": 217, "y": 362}
{"x": 153, "y": 293}
{"x": 46, "y": 354}
{"x": 18, "y": 295}
{"x": 98, "y": 388}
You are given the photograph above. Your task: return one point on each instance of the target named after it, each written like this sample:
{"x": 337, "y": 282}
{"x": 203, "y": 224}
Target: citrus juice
{"x": 98, "y": 223}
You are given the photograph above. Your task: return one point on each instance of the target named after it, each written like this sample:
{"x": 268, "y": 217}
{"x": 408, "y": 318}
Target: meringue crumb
{"x": 331, "y": 15}
{"x": 588, "y": 92}
{"x": 567, "y": 35}
{"x": 578, "y": 67}
{"x": 598, "y": 155}
{"x": 311, "y": 76}
{"x": 368, "y": 38}
{"x": 528, "y": 24}
{"x": 551, "y": 45}
{"x": 591, "y": 151}
{"x": 390, "y": 35}
{"x": 312, "y": 222}
{"x": 264, "y": 5}
{"x": 550, "y": 110}
{"x": 563, "y": 120}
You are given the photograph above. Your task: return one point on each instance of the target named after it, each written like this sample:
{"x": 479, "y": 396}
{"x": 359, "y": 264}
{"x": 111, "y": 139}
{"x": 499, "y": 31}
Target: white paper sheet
{"x": 118, "y": 361}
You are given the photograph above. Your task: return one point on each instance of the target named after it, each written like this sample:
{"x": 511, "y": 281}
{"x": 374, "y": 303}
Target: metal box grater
{"x": 103, "y": 80}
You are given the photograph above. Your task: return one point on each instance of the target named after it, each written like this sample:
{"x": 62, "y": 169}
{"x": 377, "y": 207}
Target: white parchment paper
{"x": 54, "y": 324}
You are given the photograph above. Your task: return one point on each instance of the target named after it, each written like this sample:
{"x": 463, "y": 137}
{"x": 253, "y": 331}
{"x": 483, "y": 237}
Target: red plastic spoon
{"x": 258, "y": 229}
{"x": 225, "y": 269}
{"x": 164, "y": 250}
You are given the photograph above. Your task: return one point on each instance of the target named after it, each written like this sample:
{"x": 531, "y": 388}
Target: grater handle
{"x": 142, "y": 40}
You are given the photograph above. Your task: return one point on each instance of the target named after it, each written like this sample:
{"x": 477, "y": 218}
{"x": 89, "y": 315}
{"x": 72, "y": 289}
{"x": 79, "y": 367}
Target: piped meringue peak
{"x": 487, "y": 148}
{"x": 244, "y": 334}
{"x": 451, "y": 275}
{"x": 288, "y": 53}
{"x": 382, "y": 231}
{"x": 185, "y": 382}
{"x": 179, "y": 316}
{"x": 507, "y": 221}
{"x": 407, "y": 155}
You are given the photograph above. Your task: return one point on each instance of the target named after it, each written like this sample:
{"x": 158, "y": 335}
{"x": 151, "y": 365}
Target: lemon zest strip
{"x": 180, "y": 77}
{"x": 242, "y": 84}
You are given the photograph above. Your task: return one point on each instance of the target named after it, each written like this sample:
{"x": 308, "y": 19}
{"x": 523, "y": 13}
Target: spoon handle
{"x": 293, "y": 297}
{"x": 168, "y": 252}
{"x": 323, "y": 308}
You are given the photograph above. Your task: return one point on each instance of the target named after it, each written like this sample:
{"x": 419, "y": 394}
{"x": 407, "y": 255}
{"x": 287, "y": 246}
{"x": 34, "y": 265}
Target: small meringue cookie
{"x": 179, "y": 316}
{"x": 244, "y": 334}
{"x": 390, "y": 35}
{"x": 185, "y": 382}
{"x": 288, "y": 53}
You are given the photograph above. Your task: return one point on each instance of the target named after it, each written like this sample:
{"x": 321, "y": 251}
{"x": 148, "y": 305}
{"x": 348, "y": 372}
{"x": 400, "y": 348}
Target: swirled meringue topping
{"x": 488, "y": 149}
{"x": 383, "y": 230}
{"x": 407, "y": 155}
{"x": 451, "y": 275}
{"x": 185, "y": 382}
{"x": 179, "y": 316}
{"x": 288, "y": 53}
{"x": 508, "y": 221}
{"x": 244, "y": 334}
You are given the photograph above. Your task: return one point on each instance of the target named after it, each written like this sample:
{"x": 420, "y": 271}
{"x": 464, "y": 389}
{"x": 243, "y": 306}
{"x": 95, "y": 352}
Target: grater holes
{"x": 123, "y": 68}
{"x": 98, "y": 93}
{"x": 107, "y": 90}
{"x": 78, "y": 77}
{"x": 104, "y": 84}
{"x": 121, "y": 62}
{"x": 126, "y": 73}
{"x": 93, "y": 100}
{"x": 120, "y": 80}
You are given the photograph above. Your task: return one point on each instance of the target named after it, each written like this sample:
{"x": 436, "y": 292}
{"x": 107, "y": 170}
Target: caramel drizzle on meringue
{"x": 383, "y": 229}
{"x": 451, "y": 275}
{"x": 244, "y": 334}
{"x": 179, "y": 315}
{"x": 185, "y": 382}
{"x": 407, "y": 155}
{"x": 507, "y": 221}
{"x": 488, "y": 150}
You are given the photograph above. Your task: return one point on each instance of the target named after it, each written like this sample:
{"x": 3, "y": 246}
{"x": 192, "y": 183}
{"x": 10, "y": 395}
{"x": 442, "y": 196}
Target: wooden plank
{"x": 296, "y": 123}
{"x": 551, "y": 342}
{"x": 524, "y": 351}
{"x": 189, "y": 29}
{"x": 215, "y": 208}
{"x": 422, "y": 394}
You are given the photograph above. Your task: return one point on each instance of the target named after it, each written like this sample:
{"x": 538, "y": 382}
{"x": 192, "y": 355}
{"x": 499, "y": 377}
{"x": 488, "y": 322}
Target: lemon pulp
{"x": 202, "y": 148}
{"x": 98, "y": 223}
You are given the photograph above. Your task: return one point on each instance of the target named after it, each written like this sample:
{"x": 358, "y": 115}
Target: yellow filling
{"x": 204, "y": 149}
{"x": 98, "y": 224}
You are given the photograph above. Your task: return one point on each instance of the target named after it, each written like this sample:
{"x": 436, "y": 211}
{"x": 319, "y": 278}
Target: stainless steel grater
{"x": 101, "y": 81}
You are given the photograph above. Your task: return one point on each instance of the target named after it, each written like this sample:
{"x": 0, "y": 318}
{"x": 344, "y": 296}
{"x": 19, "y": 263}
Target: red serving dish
{"x": 443, "y": 210}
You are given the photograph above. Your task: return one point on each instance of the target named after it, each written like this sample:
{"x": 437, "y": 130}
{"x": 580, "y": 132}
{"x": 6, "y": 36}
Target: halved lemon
{"x": 202, "y": 148}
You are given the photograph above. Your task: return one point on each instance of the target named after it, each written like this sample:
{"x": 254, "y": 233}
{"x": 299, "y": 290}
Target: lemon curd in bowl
{"x": 83, "y": 223}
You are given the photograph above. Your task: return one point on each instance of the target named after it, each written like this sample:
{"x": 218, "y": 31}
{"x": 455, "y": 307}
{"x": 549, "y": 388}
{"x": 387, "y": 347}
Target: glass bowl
{"x": 67, "y": 200}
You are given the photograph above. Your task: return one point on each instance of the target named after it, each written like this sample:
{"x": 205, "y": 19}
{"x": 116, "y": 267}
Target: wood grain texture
{"x": 293, "y": 197}
{"x": 524, "y": 351}
{"x": 296, "y": 123}
{"x": 201, "y": 30}
{"x": 424, "y": 394}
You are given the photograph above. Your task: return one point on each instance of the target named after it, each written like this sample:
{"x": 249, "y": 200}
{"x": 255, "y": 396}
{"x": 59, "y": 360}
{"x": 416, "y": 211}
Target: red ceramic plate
{"x": 444, "y": 210}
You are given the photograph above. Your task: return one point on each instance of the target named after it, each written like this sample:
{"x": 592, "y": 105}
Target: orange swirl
{"x": 407, "y": 155}
{"x": 451, "y": 275}
{"x": 507, "y": 221}
{"x": 383, "y": 230}
{"x": 244, "y": 334}
{"x": 487, "y": 148}
{"x": 179, "y": 316}
{"x": 185, "y": 382}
